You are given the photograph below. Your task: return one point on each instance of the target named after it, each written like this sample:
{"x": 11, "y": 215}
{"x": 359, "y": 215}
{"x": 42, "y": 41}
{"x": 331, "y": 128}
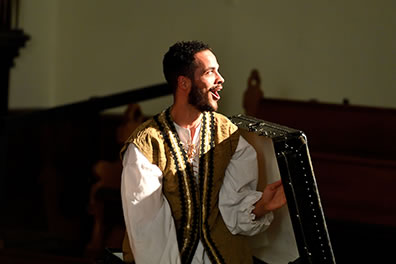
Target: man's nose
{"x": 220, "y": 78}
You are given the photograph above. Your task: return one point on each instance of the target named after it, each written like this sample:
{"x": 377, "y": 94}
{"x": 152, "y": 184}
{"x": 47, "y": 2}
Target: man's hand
{"x": 273, "y": 198}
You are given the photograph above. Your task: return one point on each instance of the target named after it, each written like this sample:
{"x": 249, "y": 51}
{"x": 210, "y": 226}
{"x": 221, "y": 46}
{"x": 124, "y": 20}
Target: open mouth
{"x": 215, "y": 93}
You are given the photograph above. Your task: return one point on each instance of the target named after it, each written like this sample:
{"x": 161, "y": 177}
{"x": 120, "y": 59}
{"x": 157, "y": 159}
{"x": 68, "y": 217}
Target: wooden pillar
{"x": 11, "y": 40}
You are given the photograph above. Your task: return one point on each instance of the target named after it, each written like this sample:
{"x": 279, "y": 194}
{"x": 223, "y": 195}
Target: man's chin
{"x": 215, "y": 105}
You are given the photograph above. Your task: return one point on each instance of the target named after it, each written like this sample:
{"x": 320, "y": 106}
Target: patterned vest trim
{"x": 188, "y": 235}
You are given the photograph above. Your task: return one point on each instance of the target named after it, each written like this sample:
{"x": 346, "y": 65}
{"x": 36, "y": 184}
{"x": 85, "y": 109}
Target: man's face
{"x": 207, "y": 82}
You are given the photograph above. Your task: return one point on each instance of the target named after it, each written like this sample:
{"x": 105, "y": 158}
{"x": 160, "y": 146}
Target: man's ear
{"x": 184, "y": 83}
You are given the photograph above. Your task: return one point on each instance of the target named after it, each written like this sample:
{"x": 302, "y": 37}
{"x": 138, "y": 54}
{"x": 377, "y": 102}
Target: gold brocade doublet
{"x": 194, "y": 202}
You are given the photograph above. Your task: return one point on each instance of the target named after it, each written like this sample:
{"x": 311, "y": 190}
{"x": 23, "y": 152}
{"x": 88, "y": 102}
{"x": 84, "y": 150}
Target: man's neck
{"x": 186, "y": 116}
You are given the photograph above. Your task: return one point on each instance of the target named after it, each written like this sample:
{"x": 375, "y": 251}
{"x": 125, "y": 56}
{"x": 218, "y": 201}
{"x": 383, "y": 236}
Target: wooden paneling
{"x": 353, "y": 150}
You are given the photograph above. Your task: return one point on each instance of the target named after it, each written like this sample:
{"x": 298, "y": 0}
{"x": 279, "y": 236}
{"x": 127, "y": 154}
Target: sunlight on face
{"x": 207, "y": 83}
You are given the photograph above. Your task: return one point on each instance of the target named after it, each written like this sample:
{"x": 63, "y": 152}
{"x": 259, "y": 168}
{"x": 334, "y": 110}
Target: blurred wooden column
{"x": 11, "y": 40}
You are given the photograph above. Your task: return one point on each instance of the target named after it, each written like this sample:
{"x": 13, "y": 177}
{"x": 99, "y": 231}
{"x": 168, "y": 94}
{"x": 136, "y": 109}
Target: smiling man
{"x": 189, "y": 179}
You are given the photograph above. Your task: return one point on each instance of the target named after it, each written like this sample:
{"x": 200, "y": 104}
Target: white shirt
{"x": 148, "y": 218}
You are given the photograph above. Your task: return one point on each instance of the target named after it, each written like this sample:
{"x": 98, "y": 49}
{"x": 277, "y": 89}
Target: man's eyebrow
{"x": 210, "y": 68}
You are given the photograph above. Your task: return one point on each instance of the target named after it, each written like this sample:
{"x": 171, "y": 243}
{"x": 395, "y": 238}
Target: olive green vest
{"x": 194, "y": 204}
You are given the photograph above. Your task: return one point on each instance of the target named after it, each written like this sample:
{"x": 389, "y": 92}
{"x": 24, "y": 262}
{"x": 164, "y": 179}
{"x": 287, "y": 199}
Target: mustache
{"x": 216, "y": 87}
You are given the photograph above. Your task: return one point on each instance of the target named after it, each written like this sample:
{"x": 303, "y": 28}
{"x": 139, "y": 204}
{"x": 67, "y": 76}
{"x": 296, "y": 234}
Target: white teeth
{"x": 215, "y": 94}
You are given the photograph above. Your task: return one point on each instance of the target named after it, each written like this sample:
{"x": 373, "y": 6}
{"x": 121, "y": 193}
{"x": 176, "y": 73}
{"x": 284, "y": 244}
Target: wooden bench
{"x": 353, "y": 153}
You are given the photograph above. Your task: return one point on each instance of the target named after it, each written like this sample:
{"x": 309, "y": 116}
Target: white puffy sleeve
{"x": 148, "y": 219}
{"x": 238, "y": 193}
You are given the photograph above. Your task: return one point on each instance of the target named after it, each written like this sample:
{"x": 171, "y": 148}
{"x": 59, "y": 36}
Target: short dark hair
{"x": 179, "y": 60}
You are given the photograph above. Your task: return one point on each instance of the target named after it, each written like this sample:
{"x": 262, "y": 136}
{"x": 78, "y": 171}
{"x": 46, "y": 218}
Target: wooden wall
{"x": 353, "y": 151}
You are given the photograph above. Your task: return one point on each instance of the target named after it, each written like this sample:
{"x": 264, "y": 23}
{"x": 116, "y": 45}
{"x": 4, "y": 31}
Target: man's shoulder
{"x": 224, "y": 121}
{"x": 145, "y": 137}
{"x": 147, "y": 128}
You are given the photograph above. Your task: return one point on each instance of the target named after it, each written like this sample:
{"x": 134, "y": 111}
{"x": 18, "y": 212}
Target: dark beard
{"x": 198, "y": 99}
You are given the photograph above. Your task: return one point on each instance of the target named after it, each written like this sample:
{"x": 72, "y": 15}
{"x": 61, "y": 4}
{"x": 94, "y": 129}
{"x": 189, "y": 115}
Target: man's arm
{"x": 148, "y": 219}
{"x": 238, "y": 195}
{"x": 273, "y": 198}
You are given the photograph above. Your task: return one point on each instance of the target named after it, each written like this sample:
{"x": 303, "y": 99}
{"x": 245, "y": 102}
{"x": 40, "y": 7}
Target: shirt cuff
{"x": 265, "y": 220}
{"x": 251, "y": 225}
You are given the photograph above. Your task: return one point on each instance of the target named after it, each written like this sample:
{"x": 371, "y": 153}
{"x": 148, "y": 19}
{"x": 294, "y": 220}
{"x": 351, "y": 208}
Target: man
{"x": 189, "y": 179}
